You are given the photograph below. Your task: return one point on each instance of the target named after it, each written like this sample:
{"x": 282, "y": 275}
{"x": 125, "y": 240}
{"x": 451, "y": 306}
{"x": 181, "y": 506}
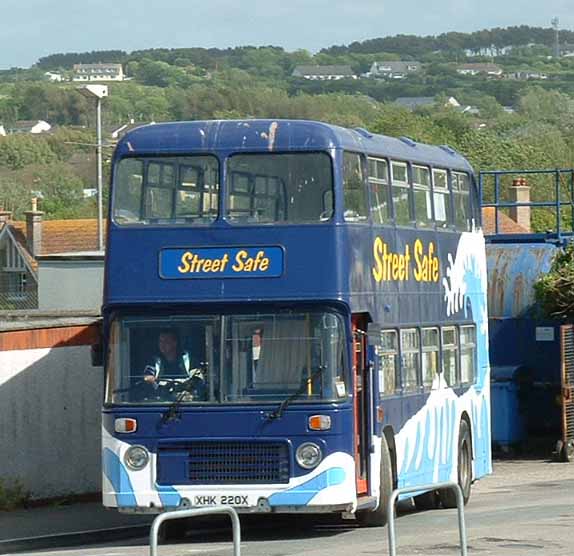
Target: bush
{"x": 555, "y": 290}
{"x": 13, "y": 495}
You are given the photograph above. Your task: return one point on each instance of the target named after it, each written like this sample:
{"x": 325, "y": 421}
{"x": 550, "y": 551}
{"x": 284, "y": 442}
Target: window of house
{"x": 450, "y": 355}
{"x": 461, "y": 197}
{"x": 430, "y": 355}
{"x": 400, "y": 193}
{"x": 389, "y": 353}
{"x": 410, "y": 358}
{"x": 467, "y": 354}
{"x": 355, "y": 194}
{"x": 442, "y": 209}
{"x": 378, "y": 186}
{"x": 422, "y": 195}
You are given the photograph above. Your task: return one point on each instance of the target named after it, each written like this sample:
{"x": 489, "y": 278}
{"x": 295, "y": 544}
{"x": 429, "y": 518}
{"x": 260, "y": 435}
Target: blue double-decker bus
{"x": 295, "y": 320}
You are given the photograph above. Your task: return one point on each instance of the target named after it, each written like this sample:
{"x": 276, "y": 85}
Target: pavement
{"x": 67, "y": 525}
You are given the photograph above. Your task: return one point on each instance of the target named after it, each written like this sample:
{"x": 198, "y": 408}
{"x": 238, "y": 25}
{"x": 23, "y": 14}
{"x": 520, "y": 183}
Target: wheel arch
{"x": 389, "y": 435}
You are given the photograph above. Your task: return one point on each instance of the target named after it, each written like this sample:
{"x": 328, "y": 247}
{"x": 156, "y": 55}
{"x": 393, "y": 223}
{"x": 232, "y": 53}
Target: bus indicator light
{"x": 125, "y": 425}
{"x": 320, "y": 422}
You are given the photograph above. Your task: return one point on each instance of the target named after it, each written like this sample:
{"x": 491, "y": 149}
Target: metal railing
{"x": 195, "y": 512}
{"x": 409, "y": 490}
{"x": 556, "y": 205}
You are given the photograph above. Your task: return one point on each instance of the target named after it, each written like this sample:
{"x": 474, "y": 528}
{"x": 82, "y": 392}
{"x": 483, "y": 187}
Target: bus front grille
{"x": 226, "y": 463}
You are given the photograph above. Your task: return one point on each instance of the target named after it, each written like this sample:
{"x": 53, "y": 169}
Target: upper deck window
{"x": 378, "y": 185}
{"x": 279, "y": 188}
{"x": 400, "y": 189}
{"x": 422, "y": 194}
{"x": 442, "y": 210}
{"x": 356, "y": 208}
{"x": 461, "y": 196}
{"x": 179, "y": 190}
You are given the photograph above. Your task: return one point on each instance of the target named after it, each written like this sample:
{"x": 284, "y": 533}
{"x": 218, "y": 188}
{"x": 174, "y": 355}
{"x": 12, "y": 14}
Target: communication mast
{"x": 555, "y": 22}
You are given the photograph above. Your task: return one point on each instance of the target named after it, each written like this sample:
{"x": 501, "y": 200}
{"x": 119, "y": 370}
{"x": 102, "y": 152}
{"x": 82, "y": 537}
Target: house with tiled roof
{"x": 98, "y": 72}
{"x": 44, "y": 263}
{"x": 393, "y": 70}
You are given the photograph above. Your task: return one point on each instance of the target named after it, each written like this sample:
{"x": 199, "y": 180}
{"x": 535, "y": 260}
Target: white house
{"x": 393, "y": 70}
{"x": 98, "y": 72}
{"x": 30, "y": 126}
{"x": 324, "y": 73}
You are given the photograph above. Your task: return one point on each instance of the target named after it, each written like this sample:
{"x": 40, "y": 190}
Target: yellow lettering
{"x": 396, "y": 265}
{"x": 239, "y": 258}
{"x": 184, "y": 267}
{"x": 207, "y": 265}
{"x": 377, "y": 252}
{"x": 264, "y": 266}
{"x": 215, "y": 265}
{"x": 418, "y": 252}
{"x": 224, "y": 261}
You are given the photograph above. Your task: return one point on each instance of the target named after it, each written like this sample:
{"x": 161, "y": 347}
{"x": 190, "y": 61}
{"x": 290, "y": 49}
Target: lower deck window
{"x": 450, "y": 355}
{"x": 410, "y": 358}
{"x": 430, "y": 355}
{"x": 467, "y": 354}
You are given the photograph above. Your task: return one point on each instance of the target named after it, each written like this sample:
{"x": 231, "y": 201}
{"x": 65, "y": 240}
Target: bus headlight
{"x": 308, "y": 455}
{"x": 136, "y": 457}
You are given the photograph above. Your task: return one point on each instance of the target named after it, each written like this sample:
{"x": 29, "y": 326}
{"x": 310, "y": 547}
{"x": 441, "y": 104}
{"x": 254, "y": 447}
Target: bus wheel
{"x": 448, "y": 497}
{"x": 379, "y": 517}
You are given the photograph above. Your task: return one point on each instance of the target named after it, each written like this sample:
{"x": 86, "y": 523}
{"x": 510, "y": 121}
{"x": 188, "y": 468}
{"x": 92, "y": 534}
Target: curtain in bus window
{"x": 410, "y": 358}
{"x": 430, "y": 355}
{"x": 450, "y": 355}
{"x": 400, "y": 192}
{"x": 422, "y": 195}
{"x": 378, "y": 184}
{"x": 355, "y": 194}
{"x": 442, "y": 212}
{"x": 388, "y": 353}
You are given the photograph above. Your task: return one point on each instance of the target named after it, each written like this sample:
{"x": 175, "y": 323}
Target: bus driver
{"x": 173, "y": 364}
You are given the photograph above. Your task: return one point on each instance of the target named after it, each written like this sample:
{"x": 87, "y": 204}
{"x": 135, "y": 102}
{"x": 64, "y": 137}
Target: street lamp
{"x": 98, "y": 92}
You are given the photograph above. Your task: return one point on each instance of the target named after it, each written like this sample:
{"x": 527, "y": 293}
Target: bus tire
{"x": 379, "y": 516}
{"x": 464, "y": 468}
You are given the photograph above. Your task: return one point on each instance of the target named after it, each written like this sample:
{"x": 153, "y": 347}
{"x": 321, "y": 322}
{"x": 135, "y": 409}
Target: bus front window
{"x": 247, "y": 358}
{"x": 279, "y": 188}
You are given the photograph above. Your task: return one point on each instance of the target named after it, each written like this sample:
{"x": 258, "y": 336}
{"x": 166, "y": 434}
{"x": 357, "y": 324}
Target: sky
{"x": 31, "y": 29}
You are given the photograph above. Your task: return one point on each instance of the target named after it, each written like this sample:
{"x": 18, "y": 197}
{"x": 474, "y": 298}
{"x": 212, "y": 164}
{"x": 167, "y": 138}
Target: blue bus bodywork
{"x": 386, "y": 276}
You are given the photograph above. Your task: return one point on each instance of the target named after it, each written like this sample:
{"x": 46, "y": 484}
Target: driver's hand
{"x": 149, "y": 378}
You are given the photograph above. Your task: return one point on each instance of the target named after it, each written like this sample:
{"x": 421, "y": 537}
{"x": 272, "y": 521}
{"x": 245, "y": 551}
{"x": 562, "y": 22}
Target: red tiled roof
{"x": 64, "y": 236}
{"x": 505, "y": 224}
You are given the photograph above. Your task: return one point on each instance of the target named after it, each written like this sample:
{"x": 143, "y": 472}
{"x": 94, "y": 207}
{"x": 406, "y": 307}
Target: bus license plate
{"x": 221, "y": 500}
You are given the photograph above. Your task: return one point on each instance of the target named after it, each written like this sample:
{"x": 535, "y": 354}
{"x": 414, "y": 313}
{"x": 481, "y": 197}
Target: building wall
{"x": 70, "y": 285}
{"x": 50, "y": 403}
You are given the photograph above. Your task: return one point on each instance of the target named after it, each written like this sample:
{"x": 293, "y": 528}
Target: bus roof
{"x": 279, "y": 136}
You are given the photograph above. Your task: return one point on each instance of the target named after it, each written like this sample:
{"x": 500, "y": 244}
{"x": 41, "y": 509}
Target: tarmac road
{"x": 524, "y": 508}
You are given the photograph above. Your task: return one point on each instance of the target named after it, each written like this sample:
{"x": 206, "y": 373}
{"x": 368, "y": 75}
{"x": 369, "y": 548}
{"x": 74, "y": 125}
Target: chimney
{"x": 520, "y": 193}
{"x": 34, "y": 228}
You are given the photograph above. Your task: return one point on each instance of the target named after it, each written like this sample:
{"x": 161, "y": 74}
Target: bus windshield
{"x": 215, "y": 359}
{"x": 279, "y": 188}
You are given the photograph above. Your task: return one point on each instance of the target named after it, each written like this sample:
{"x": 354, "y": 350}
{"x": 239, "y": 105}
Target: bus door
{"x": 361, "y": 387}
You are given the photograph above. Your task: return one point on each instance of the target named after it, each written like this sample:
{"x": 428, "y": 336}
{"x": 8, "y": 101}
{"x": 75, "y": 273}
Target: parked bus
{"x": 295, "y": 320}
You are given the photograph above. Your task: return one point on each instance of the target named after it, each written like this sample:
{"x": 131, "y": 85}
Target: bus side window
{"x": 159, "y": 191}
{"x": 442, "y": 207}
{"x": 467, "y": 354}
{"x": 355, "y": 194}
{"x": 430, "y": 355}
{"x": 378, "y": 186}
{"x": 461, "y": 197}
{"x": 450, "y": 355}
{"x": 389, "y": 353}
{"x": 400, "y": 192}
{"x": 422, "y": 195}
{"x": 410, "y": 355}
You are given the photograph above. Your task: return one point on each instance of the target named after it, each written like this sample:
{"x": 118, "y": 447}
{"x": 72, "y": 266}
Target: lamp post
{"x": 98, "y": 92}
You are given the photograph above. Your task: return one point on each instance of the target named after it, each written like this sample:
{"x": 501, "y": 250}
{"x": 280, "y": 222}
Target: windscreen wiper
{"x": 172, "y": 412}
{"x": 277, "y": 413}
